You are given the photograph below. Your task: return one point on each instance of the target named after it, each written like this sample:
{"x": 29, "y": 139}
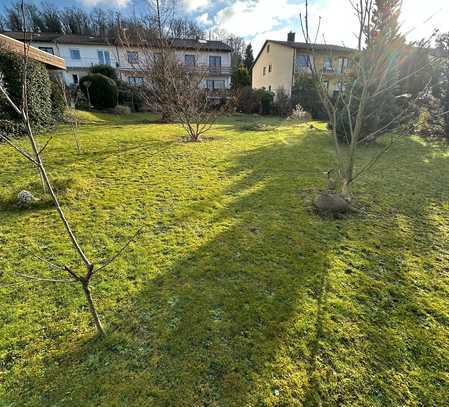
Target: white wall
{"x": 119, "y": 59}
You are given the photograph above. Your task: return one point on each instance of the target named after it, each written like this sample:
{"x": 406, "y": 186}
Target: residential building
{"x": 280, "y": 63}
{"x": 81, "y": 52}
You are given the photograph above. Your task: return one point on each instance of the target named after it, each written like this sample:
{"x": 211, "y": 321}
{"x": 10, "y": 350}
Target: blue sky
{"x": 257, "y": 20}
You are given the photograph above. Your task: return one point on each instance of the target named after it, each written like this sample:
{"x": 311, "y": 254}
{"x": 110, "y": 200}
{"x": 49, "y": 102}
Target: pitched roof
{"x": 318, "y": 47}
{"x": 93, "y": 40}
{"x": 305, "y": 46}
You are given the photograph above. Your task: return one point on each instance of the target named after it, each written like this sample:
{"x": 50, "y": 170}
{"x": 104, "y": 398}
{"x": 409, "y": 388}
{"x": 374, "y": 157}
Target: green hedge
{"x": 39, "y": 93}
{"x": 103, "y": 91}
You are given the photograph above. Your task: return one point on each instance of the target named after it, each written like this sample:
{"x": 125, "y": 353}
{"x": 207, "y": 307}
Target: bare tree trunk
{"x": 92, "y": 309}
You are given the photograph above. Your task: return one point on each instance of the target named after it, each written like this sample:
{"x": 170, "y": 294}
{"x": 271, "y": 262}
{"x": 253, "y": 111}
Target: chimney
{"x": 291, "y": 36}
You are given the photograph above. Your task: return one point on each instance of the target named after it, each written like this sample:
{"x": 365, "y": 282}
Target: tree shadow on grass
{"x": 278, "y": 308}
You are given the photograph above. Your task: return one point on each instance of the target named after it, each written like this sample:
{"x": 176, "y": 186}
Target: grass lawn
{"x": 237, "y": 294}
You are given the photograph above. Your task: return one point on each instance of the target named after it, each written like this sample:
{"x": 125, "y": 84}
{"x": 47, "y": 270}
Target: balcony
{"x": 213, "y": 70}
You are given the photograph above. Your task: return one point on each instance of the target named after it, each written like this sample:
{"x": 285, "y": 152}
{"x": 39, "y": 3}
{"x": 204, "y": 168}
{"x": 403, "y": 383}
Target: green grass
{"x": 237, "y": 294}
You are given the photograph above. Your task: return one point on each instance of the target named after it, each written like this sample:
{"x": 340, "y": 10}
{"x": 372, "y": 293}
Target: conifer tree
{"x": 249, "y": 57}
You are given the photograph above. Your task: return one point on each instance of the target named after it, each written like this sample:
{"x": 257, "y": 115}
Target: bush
{"x": 247, "y": 101}
{"x": 58, "y": 102}
{"x": 299, "y": 114}
{"x": 304, "y": 93}
{"x": 106, "y": 70}
{"x": 379, "y": 115}
{"x": 240, "y": 78}
{"x": 254, "y": 101}
{"x": 130, "y": 96}
{"x": 39, "y": 93}
{"x": 265, "y": 99}
{"x": 103, "y": 91}
{"x": 122, "y": 110}
{"x": 282, "y": 105}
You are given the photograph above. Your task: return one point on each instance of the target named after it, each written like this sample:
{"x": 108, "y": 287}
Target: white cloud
{"x": 204, "y": 19}
{"x": 115, "y": 3}
{"x": 250, "y": 17}
{"x": 258, "y": 20}
{"x": 193, "y": 5}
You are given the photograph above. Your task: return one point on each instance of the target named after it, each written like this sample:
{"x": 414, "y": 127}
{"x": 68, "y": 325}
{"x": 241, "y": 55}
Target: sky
{"x": 258, "y": 20}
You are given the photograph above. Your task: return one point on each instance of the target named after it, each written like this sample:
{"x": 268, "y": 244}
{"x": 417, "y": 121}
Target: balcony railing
{"x": 326, "y": 70}
{"x": 210, "y": 69}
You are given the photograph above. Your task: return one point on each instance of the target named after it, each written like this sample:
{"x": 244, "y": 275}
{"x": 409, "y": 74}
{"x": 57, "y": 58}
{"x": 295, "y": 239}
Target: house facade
{"x": 81, "y": 52}
{"x": 280, "y": 63}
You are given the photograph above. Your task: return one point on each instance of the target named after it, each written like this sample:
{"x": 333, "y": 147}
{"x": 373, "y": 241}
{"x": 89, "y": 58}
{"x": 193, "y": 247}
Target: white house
{"x": 81, "y": 52}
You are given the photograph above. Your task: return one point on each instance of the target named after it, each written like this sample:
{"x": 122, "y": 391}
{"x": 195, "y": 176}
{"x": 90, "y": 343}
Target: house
{"x": 81, "y": 52}
{"x": 279, "y": 63}
{"x": 50, "y": 61}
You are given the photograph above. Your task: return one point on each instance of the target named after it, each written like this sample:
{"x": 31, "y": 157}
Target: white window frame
{"x": 75, "y": 50}
{"x": 135, "y": 57}
{"x": 103, "y": 60}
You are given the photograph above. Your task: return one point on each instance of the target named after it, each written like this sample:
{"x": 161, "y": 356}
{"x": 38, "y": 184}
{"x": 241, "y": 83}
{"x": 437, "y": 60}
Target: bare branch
{"x": 119, "y": 252}
{"x": 44, "y": 280}
{"x": 19, "y": 149}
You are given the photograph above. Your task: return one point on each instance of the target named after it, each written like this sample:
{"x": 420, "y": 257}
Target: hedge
{"x": 38, "y": 89}
{"x": 103, "y": 91}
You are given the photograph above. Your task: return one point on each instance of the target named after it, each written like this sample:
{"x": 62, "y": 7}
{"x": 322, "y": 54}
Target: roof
{"x": 15, "y": 46}
{"x": 94, "y": 40}
{"x": 305, "y": 46}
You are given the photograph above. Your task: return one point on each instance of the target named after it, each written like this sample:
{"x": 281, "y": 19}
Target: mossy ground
{"x": 236, "y": 294}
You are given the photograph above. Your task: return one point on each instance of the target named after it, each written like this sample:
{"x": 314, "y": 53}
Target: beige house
{"x": 280, "y": 63}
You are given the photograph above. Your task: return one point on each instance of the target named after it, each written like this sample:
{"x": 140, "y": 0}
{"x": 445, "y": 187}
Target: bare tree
{"x": 369, "y": 77}
{"x": 34, "y": 155}
{"x": 174, "y": 87}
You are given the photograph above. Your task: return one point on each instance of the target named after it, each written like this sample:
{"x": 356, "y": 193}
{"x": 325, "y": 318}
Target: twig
{"x": 120, "y": 252}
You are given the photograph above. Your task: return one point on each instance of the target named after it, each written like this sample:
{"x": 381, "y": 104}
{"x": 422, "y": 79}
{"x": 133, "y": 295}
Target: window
{"x": 47, "y": 49}
{"x": 268, "y": 48}
{"x": 327, "y": 64}
{"x": 219, "y": 84}
{"x": 269, "y": 68}
{"x": 342, "y": 65}
{"x": 133, "y": 57}
{"x": 75, "y": 79}
{"x": 215, "y": 61}
{"x": 190, "y": 60}
{"x": 264, "y": 70}
{"x": 75, "y": 54}
{"x": 303, "y": 61}
{"x": 212, "y": 84}
{"x": 104, "y": 58}
{"x": 135, "y": 80}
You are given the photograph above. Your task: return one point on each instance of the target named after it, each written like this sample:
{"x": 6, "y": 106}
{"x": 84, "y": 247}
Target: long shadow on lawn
{"x": 280, "y": 308}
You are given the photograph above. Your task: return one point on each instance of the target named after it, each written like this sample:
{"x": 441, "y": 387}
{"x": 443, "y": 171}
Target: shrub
{"x": 247, "y": 101}
{"x": 254, "y": 101}
{"x": 130, "y": 96}
{"x": 58, "y": 102}
{"x": 265, "y": 99}
{"x": 106, "y": 70}
{"x": 122, "y": 110}
{"x": 299, "y": 114}
{"x": 240, "y": 78}
{"x": 103, "y": 91}
{"x": 39, "y": 93}
{"x": 380, "y": 113}
{"x": 282, "y": 105}
{"x": 304, "y": 93}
